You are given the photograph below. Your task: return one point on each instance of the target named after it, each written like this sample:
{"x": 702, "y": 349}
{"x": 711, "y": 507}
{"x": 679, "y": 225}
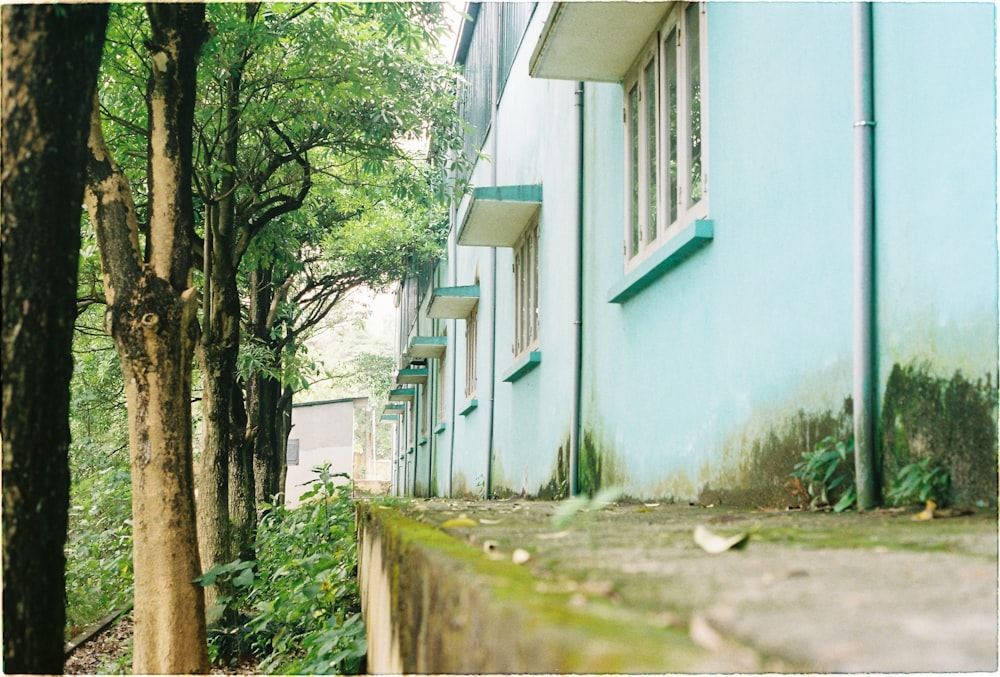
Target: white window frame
{"x": 526, "y": 288}
{"x": 471, "y": 337}
{"x": 439, "y": 382}
{"x": 642, "y": 236}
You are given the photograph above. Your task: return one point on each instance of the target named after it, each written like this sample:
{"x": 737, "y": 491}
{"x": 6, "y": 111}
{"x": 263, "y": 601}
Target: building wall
{"x": 532, "y": 141}
{"x": 937, "y": 238}
{"x": 325, "y": 434}
{"x": 710, "y": 382}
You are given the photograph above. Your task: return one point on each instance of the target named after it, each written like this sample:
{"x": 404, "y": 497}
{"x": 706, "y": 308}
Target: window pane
{"x": 633, "y": 119}
{"x": 692, "y": 54}
{"x": 534, "y": 283}
{"x": 670, "y": 73}
{"x": 651, "y": 197}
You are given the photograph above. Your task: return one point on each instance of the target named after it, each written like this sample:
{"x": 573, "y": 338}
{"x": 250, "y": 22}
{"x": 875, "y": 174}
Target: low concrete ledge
{"x": 433, "y": 604}
{"x": 626, "y": 589}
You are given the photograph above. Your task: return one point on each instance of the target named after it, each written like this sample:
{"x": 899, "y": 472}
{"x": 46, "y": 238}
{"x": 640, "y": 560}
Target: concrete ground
{"x": 808, "y": 592}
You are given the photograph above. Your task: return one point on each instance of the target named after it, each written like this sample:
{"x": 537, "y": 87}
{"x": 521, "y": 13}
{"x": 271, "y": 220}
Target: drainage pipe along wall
{"x": 865, "y": 374}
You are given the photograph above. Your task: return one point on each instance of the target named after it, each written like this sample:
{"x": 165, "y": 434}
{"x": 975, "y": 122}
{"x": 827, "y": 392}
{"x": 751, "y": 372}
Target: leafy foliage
{"x": 919, "y": 482}
{"x": 300, "y": 598}
{"x": 828, "y": 473}
{"x": 99, "y": 539}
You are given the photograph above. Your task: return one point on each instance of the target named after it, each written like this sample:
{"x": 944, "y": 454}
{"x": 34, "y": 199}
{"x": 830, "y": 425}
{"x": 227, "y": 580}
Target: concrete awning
{"x": 432, "y": 347}
{"x": 402, "y": 394}
{"x": 497, "y": 215}
{"x": 594, "y": 41}
{"x": 453, "y": 302}
{"x": 412, "y": 376}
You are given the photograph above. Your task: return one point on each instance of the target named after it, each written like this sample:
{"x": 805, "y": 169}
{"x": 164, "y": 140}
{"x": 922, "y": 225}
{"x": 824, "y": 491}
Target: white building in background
{"x": 331, "y": 431}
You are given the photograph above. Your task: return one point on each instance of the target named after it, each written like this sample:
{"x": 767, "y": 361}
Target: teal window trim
{"x": 470, "y": 407}
{"x": 440, "y": 429}
{"x": 423, "y": 441}
{"x": 674, "y": 251}
{"x": 526, "y": 363}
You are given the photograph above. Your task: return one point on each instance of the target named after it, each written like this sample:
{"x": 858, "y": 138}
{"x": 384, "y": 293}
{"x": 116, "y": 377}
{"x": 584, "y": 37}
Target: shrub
{"x": 300, "y": 598}
{"x": 828, "y": 474}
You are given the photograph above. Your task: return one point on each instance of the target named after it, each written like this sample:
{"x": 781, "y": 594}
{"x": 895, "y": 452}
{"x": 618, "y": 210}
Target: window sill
{"x": 440, "y": 429}
{"x": 423, "y": 441}
{"x": 470, "y": 407}
{"x": 523, "y": 365}
{"x": 673, "y": 252}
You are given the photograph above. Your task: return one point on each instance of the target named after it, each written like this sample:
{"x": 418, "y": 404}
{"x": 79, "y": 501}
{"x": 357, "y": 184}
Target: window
{"x": 664, "y": 110}
{"x": 470, "y": 352}
{"x": 526, "y": 290}
{"x": 292, "y": 453}
{"x": 440, "y": 384}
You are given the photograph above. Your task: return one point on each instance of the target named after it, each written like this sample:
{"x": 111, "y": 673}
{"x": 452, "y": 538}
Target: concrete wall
{"x": 710, "y": 382}
{"x": 713, "y": 379}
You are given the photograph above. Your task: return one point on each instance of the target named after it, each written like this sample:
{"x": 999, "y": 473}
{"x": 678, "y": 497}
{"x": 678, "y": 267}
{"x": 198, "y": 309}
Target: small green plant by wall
{"x": 919, "y": 482}
{"x": 827, "y": 474}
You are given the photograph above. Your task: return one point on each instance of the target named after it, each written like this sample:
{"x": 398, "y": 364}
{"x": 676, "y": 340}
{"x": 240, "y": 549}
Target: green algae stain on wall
{"x": 598, "y": 466}
{"x": 760, "y": 472}
{"x": 557, "y": 488}
{"x": 950, "y": 419}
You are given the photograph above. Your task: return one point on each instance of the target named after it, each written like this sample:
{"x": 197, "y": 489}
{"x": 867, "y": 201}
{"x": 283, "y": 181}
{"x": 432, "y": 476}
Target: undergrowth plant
{"x": 298, "y": 603}
{"x": 98, "y": 545}
{"x": 828, "y": 474}
{"x": 919, "y": 482}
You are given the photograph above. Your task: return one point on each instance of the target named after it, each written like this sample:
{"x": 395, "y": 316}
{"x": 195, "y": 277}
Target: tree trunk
{"x": 262, "y": 403}
{"x": 152, "y": 318}
{"x": 242, "y": 510}
{"x": 263, "y": 393}
{"x": 50, "y": 61}
{"x": 217, "y": 353}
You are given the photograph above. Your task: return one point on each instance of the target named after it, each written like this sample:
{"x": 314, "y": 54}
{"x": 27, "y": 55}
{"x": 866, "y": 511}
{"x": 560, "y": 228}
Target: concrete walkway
{"x": 498, "y": 587}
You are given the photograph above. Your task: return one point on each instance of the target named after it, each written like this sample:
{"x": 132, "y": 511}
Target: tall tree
{"x": 275, "y": 125}
{"x": 152, "y": 317}
{"x": 50, "y": 61}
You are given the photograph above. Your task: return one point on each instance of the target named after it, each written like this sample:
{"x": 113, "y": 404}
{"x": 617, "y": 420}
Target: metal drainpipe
{"x": 574, "y": 431}
{"x": 453, "y": 334}
{"x": 494, "y": 104}
{"x": 865, "y": 367}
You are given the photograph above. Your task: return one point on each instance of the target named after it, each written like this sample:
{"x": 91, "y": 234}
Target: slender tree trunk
{"x": 50, "y": 61}
{"x": 241, "y": 486}
{"x": 263, "y": 402}
{"x": 217, "y": 353}
{"x": 152, "y": 316}
{"x": 284, "y": 427}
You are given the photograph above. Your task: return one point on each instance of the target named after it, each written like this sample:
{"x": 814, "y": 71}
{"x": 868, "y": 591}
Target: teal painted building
{"x": 703, "y": 237}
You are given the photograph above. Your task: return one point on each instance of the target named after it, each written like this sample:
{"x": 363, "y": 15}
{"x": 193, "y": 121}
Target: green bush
{"x": 300, "y": 599}
{"x": 828, "y": 474}
{"x": 919, "y": 482}
{"x": 99, "y": 544}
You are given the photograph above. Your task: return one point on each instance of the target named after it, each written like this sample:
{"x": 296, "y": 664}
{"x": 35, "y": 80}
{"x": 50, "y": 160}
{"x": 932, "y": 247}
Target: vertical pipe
{"x": 865, "y": 368}
{"x": 453, "y": 340}
{"x": 575, "y": 418}
{"x": 494, "y": 114}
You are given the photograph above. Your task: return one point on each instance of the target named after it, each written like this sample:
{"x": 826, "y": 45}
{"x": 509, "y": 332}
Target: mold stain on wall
{"x": 761, "y": 465}
{"x": 951, "y": 419}
{"x": 557, "y": 488}
{"x": 599, "y": 467}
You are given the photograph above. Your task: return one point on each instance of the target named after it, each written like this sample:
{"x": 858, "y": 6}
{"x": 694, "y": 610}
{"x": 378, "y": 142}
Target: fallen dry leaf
{"x": 713, "y": 543}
